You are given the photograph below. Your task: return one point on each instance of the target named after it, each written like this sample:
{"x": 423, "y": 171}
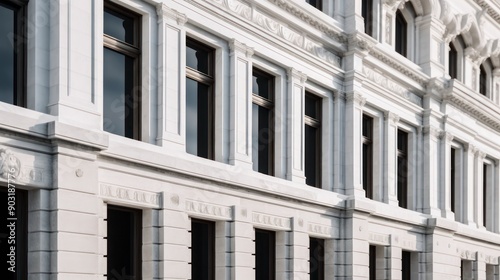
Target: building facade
{"x": 250, "y": 139}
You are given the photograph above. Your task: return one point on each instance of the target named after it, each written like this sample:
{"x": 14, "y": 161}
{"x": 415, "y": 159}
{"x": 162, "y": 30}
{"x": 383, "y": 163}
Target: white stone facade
{"x": 72, "y": 169}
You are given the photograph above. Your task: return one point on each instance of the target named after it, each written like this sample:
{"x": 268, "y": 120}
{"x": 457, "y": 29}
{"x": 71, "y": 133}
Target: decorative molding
{"x": 468, "y": 255}
{"x": 491, "y": 260}
{"x": 294, "y": 74}
{"x": 389, "y": 84}
{"x": 271, "y": 221}
{"x": 163, "y": 10}
{"x": 388, "y": 27}
{"x": 470, "y": 148}
{"x": 208, "y": 209}
{"x": 480, "y": 155}
{"x": 357, "y": 41}
{"x": 448, "y": 137}
{"x": 391, "y": 117}
{"x": 473, "y": 110}
{"x": 408, "y": 244}
{"x": 284, "y": 31}
{"x": 237, "y": 46}
{"x": 490, "y": 10}
{"x": 399, "y": 66}
{"x": 355, "y": 97}
{"x": 433, "y": 131}
{"x": 130, "y": 196}
{"x": 379, "y": 238}
{"x": 9, "y": 164}
{"x": 321, "y": 230}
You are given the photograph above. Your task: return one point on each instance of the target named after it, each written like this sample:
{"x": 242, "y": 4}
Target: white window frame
{"x": 377, "y": 150}
{"x": 412, "y": 163}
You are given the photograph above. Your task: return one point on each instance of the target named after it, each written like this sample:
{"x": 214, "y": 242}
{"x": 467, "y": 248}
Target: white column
{"x": 430, "y": 45}
{"x": 445, "y": 168}
{"x": 431, "y": 161}
{"x": 353, "y": 19}
{"x": 478, "y": 188}
{"x": 41, "y": 255}
{"x": 171, "y": 78}
{"x": 353, "y": 144}
{"x": 222, "y": 250}
{"x": 469, "y": 166}
{"x": 299, "y": 253}
{"x": 471, "y": 69}
{"x": 175, "y": 240}
{"x": 242, "y": 245}
{"x": 390, "y": 150}
{"x": 150, "y": 241}
{"x": 495, "y": 86}
{"x": 240, "y": 120}
{"x": 496, "y": 198}
{"x": 338, "y": 124}
{"x": 479, "y": 269}
{"x": 395, "y": 255}
{"x": 295, "y": 156}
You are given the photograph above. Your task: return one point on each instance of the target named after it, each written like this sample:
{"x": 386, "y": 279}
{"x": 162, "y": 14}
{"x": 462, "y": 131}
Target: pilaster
{"x": 353, "y": 19}
{"x": 391, "y": 121}
{"x": 240, "y": 121}
{"x": 171, "y": 76}
{"x": 478, "y": 188}
{"x": 495, "y": 86}
{"x": 353, "y": 144}
{"x": 295, "y": 156}
{"x": 431, "y": 46}
{"x": 469, "y": 168}
{"x": 496, "y": 198}
{"x": 431, "y": 177}
{"x": 242, "y": 245}
{"x": 471, "y": 68}
{"x": 394, "y": 254}
{"x": 299, "y": 253}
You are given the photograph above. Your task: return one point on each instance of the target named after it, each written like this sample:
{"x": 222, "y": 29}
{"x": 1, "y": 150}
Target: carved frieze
{"x": 9, "y": 164}
{"x": 208, "y": 209}
{"x": 130, "y": 196}
{"x": 379, "y": 239}
{"x": 271, "y": 221}
{"x": 321, "y": 230}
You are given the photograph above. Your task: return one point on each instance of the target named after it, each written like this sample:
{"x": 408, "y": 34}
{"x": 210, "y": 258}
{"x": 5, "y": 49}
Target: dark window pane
{"x": 401, "y": 34}
{"x": 202, "y": 250}
{"x": 261, "y": 86}
{"x": 482, "y": 80}
{"x": 452, "y": 178}
{"x": 315, "y": 3}
{"x": 402, "y": 169}
{"x": 367, "y": 126}
{"x": 312, "y": 165}
{"x": 316, "y": 259}
{"x": 262, "y": 138}
{"x": 21, "y": 230}
{"x": 452, "y": 61}
{"x": 198, "y": 118}
{"x": 485, "y": 188}
{"x": 373, "y": 262}
{"x": 7, "y": 55}
{"x": 312, "y": 106}
{"x": 406, "y": 265}
{"x": 119, "y": 104}
{"x": 119, "y": 26}
{"x": 124, "y": 243}
{"x": 367, "y": 14}
{"x": 402, "y": 141}
{"x": 265, "y": 256}
{"x": 198, "y": 57}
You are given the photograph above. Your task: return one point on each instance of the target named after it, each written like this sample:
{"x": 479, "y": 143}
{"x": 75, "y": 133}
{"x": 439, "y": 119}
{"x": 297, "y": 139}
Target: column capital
{"x": 237, "y": 46}
{"x": 293, "y": 73}
{"x": 391, "y": 117}
{"x": 470, "y": 148}
{"x": 433, "y": 131}
{"x": 448, "y": 137}
{"x": 355, "y": 97}
{"x": 480, "y": 155}
{"x": 164, "y": 11}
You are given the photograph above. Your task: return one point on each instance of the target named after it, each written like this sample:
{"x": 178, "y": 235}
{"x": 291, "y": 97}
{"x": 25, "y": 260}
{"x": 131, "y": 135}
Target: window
{"x": 13, "y": 52}
{"x": 367, "y": 14}
{"x": 482, "y": 80}
{"x": 316, "y": 259}
{"x": 316, "y": 3}
{"x": 401, "y": 34}
{"x": 453, "y": 174}
{"x": 262, "y": 122}
{"x": 368, "y": 156}
{"x": 265, "y": 255}
{"x": 21, "y": 229}
{"x": 492, "y": 271}
{"x": 487, "y": 199}
{"x": 465, "y": 269}
{"x": 455, "y": 58}
{"x": 312, "y": 121}
{"x": 199, "y": 99}
{"x": 453, "y": 61}
{"x": 124, "y": 243}
{"x": 202, "y": 250}
{"x": 121, "y": 68}
{"x": 372, "y": 262}
{"x": 406, "y": 265}
{"x": 402, "y": 171}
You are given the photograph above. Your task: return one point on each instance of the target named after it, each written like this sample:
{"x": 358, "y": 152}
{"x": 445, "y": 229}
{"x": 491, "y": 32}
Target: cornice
{"x": 492, "y": 12}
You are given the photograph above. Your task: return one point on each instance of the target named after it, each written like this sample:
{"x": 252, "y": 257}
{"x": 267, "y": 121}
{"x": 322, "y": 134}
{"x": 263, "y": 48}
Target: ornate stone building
{"x": 250, "y": 139}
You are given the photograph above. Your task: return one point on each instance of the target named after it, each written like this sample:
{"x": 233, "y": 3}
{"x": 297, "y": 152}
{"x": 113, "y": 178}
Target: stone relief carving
{"x": 387, "y": 83}
{"x": 270, "y": 220}
{"x": 209, "y": 209}
{"x": 130, "y": 195}
{"x": 9, "y": 164}
{"x": 320, "y": 229}
{"x": 388, "y": 36}
{"x": 381, "y": 239}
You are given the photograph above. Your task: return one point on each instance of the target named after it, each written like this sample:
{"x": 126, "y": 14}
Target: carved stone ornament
{"x": 433, "y": 131}
{"x": 294, "y": 74}
{"x": 9, "y": 164}
{"x": 237, "y": 46}
{"x": 391, "y": 117}
{"x": 128, "y": 195}
{"x": 355, "y": 97}
{"x": 448, "y": 137}
{"x": 163, "y": 10}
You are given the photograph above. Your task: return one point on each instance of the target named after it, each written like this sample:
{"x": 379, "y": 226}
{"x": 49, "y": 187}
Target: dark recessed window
{"x": 13, "y": 52}
{"x": 318, "y": 4}
{"x": 18, "y": 219}
{"x": 367, "y": 14}
{"x": 262, "y": 122}
{"x": 482, "y": 80}
{"x": 265, "y": 255}
{"x": 406, "y": 265}
{"x": 199, "y": 99}
{"x": 368, "y": 156}
{"x": 485, "y": 193}
{"x": 312, "y": 121}
{"x": 453, "y": 61}
{"x": 401, "y": 34}
{"x": 124, "y": 240}
{"x": 372, "y": 262}
{"x": 121, "y": 70}
{"x": 402, "y": 179}
{"x": 202, "y": 250}
{"x": 316, "y": 259}
{"x": 453, "y": 173}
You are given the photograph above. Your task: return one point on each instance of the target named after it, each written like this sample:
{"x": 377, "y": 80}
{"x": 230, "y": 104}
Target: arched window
{"x": 485, "y": 77}
{"x": 455, "y": 58}
{"x": 401, "y": 36}
{"x": 482, "y": 80}
{"x": 452, "y": 62}
{"x": 367, "y": 13}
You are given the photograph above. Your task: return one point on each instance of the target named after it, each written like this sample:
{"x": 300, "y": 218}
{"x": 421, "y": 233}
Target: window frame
{"x": 133, "y": 51}
{"x": 367, "y": 165}
{"x": 402, "y": 153}
{"x": 211, "y": 244}
{"x": 320, "y": 260}
{"x": 401, "y": 32}
{"x": 317, "y": 125}
{"x": 372, "y": 262}
{"x": 488, "y": 201}
{"x": 269, "y": 104}
{"x": 208, "y": 79}
{"x": 20, "y": 8}
{"x": 271, "y": 253}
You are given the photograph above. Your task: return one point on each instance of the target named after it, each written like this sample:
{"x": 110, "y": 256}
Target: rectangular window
{"x": 316, "y": 259}
{"x": 487, "y": 172}
{"x": 482, "y": 80}
{"x": 466, "y": 269}
{"x": 406, "y": 265}
{"x": 124, "y": 259}
{"x": 367, "y": 14}
{"x": 265, "y": 255}
{"x": 453, "y": 174}
{"x": 401, "y": 34}
{"x": 21, "y": 230}
{"x": 402, "y": 171}
{"x": 202, "y": 250}
{"x": 13, "y": 52}
{"x": 121, "y": 71}
{"x": 368, "y": 156}
{"x": 318, "y": 4}
{"x": 199, "y": 99}
{"x": 262, "y": 122}
{"x": 492, "y": 272}
{"x": 312, "y": 121}
{"x": 453, "y": 61}
{"x": 372, "y": 262}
